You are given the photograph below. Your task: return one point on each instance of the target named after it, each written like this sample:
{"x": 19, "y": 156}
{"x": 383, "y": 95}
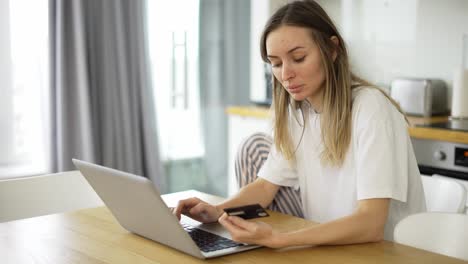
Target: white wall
{"x": 402, "y": 38}
{"x": 6, "y": 88}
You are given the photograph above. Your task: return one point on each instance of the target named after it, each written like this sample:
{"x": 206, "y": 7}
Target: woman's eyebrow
{"x": 289, "y": 51}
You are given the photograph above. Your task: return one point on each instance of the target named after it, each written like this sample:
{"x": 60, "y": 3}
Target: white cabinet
{"x": 240, "y": 127}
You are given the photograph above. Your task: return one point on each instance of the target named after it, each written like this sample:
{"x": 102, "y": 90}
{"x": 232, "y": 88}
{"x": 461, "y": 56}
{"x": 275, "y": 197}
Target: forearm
{"x": 259, "y": 191}
{"x": 356, "y": 228}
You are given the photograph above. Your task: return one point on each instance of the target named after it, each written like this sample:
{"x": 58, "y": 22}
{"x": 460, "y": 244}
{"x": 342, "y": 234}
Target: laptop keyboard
{"x": 207, "y": 241}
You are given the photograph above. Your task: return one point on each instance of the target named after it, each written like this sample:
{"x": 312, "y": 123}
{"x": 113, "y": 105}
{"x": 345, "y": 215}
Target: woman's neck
{"x": 315, "y": 103}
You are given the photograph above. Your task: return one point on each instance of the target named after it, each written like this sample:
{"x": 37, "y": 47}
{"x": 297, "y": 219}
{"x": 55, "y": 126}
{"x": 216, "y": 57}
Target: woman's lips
{"x": 294, "y": 88}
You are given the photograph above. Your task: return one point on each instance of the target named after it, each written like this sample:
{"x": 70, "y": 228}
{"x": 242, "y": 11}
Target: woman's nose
{"x": 287, "y": 72}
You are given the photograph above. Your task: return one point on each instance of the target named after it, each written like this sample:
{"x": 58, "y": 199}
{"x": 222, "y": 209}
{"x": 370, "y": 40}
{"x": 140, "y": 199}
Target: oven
{"x": 444, "y": 158}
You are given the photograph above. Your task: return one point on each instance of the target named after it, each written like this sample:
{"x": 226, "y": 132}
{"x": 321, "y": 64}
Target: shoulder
{"x": 369, "y": 98}
{"x": 371, "y": 103}
{"x": 374, "y": 115}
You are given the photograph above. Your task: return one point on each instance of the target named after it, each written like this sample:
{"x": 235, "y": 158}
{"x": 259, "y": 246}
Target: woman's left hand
{"x": 243, "y": 231}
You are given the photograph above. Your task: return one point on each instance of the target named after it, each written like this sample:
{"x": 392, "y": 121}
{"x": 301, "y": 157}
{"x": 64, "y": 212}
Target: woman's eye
{"x": 273, "y": 65}
{"x": 300, "y": 59}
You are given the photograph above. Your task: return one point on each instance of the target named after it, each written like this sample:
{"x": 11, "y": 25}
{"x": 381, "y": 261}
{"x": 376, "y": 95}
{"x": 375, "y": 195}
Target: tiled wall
{"x": 394, "y": 38}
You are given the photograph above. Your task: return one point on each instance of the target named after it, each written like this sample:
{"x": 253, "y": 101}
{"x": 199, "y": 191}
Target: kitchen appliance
{"x": 422, "y": 97}
{"x": 453, "y": 124}
{"x": 442, "y": 158}
{"x": 446, "y": 159}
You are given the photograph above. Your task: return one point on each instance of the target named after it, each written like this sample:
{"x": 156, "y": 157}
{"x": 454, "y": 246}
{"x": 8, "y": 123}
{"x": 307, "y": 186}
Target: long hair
{"x": 339, "y": 82}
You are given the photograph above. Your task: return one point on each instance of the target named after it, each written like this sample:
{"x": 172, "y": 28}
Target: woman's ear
{"x": 336, "y": 42}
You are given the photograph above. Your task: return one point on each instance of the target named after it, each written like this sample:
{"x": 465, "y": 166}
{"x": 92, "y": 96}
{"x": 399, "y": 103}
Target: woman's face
{"x": 296, "y": 63}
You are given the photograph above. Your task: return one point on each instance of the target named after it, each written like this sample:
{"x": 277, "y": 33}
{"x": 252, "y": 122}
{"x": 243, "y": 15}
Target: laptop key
{"x": 207, "y": 241}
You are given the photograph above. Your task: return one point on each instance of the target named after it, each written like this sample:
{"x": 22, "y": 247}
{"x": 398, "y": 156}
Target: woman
{"x": 342, "y": 142}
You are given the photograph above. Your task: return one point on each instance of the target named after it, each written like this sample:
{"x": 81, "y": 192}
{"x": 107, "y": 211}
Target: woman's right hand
{"x": 198, "y": 210}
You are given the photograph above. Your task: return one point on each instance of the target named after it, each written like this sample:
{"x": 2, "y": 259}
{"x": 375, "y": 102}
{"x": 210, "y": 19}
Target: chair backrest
{"x": 444, "y": 195}
{"x": 46, "y": 194}
{"x": 443, "y": 233}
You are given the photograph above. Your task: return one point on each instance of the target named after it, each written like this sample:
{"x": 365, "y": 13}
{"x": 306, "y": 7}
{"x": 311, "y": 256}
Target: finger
{"x": 222, "y": 218}
{"x": 206, "y": 209}
{"x": 238, "y": 234}
{"x": 185, "y": 204}
{"x": 224, "y": 221}
{"x": 228, "y": 220}
{"x": 235, "y": 220}
{"x": 200, "y": 210}
{"x": 197, "y": 209}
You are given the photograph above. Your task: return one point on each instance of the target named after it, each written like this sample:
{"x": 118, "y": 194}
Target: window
{"x": 24, "y": 88}
{"x": 173, "y": 44}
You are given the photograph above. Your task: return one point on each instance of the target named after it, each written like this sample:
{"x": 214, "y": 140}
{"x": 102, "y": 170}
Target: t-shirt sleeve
{"x": 381, "y": 147}
{"x": 277, "y": 170}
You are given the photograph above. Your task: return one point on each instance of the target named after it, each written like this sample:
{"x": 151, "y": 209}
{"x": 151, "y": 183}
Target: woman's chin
{"x": 298, "y": 97}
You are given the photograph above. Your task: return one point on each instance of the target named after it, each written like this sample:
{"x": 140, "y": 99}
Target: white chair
{"x": 46, "y": 194}
{"x": 443, "y": 194}
{"x": 443, "y": 233}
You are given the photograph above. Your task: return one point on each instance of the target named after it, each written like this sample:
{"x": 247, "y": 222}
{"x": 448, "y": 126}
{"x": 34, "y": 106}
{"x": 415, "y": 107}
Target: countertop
{"x": 414, "y": 130}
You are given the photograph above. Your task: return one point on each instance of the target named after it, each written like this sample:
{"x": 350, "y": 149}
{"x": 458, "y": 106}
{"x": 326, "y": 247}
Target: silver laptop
{"x": 138, "y": 207}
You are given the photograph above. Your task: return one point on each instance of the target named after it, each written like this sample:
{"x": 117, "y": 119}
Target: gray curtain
{"x": 224, "y": 78}
{"x": 101, "y": 94}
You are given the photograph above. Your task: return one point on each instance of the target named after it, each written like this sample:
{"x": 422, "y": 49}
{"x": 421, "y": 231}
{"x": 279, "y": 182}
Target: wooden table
{"x": 94, "y": 236}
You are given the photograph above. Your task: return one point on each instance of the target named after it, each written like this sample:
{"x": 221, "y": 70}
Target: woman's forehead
{"x": 286, "y": 38}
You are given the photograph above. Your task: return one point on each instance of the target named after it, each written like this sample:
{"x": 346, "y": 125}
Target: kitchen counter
{"x": 249, "y": 111}
{"x": 414, "y": 130}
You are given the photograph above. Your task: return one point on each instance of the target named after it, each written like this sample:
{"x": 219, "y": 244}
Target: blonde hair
{"x": 336, "y": 116}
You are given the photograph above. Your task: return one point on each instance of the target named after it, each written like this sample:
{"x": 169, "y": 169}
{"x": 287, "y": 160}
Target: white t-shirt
{"x": 380, "y": 163}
